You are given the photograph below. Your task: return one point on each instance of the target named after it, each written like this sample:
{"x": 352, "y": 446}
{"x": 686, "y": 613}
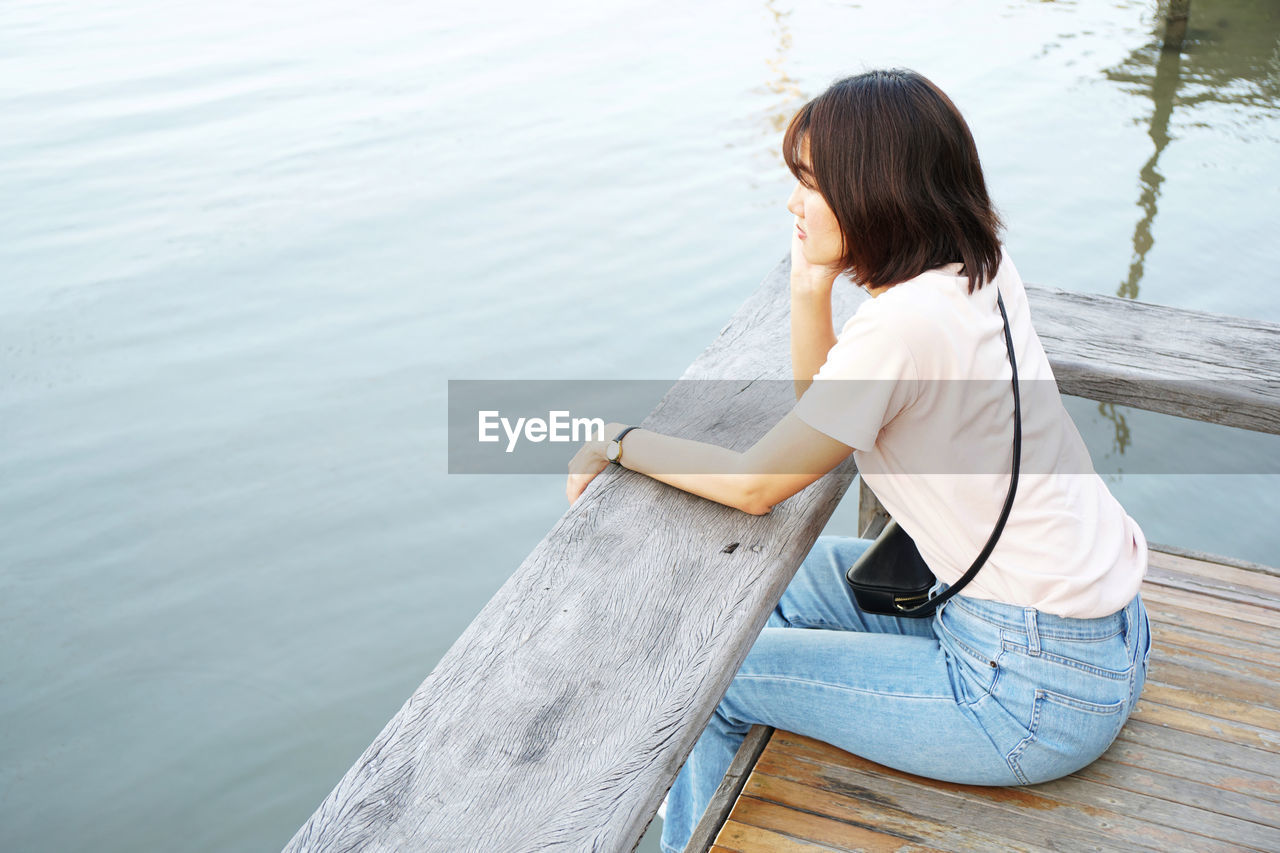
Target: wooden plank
{"x": 794, "y": 788}
{"x": 1010, "y": 815}
{"x": 543, "y": 728}
{"x": 1206, "y": 769}
{"x": 1229, "y": 753}
{"x": 1155, "y": 794}
{"x": 1147, "y": 782}
{"x": 1231, "y": 647}
{"x": 1233, "y": 687}
{"x": 1252, "y": 614}
{"x": 821, "y": 829}
{"x": 1209, "y": 726}
{"x": 744, "y": 838}
{"x": 1210, "y": 588}
{"x": 726, "y": 794}
{"x": 1074, "y": 801}
{"x": 1184, "y": 613}
{"x": 1184, "y": 815}
{"x": 1215, "y": 559}
{"x": 1251, "y": 576}
{"x": 1238, "y": 666}
{"x": 1208, "y": 367}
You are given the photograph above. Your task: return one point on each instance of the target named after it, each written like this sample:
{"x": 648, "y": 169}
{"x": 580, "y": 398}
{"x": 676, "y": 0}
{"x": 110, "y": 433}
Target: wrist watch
{"x": 613, "y": 452}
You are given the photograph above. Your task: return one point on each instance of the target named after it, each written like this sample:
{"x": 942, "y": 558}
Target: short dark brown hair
{"x": 895, "y": 161}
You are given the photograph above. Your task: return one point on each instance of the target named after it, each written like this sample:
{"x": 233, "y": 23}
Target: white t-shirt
{"x": 919, "y": 384}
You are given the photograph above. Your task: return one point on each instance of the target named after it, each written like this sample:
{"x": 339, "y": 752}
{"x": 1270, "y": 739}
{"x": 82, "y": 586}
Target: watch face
{"x": 613, "y": 451}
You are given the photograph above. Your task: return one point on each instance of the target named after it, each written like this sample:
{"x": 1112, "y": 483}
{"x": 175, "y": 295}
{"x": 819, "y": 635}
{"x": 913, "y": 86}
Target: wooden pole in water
{"x": 1175, "y": 23}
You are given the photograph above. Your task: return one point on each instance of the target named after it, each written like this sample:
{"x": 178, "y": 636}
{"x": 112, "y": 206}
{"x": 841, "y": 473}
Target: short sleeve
{"x": 868, "y": 379}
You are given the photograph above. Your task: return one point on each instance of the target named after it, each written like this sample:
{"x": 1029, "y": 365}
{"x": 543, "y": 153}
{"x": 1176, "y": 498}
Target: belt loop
{"x": 1033, "y": 632}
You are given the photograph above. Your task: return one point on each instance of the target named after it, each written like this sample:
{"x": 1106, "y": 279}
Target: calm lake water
{"x": 246, "y": 246}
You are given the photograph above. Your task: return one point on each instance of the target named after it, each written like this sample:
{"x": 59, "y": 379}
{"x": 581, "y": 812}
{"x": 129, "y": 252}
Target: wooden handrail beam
{"x": 1207, "y": 367}
{"x": 561, "y": 716}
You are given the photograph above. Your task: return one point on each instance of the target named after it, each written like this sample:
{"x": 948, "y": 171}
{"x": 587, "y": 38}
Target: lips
{"x": 801, "y": 231}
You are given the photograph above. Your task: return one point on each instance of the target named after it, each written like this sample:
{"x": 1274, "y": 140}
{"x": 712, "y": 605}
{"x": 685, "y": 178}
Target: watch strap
{"x": 618, "y": 439}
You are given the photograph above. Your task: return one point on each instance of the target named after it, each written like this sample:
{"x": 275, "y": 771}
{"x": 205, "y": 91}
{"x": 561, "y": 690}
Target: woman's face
{"x": 818, "y": 230}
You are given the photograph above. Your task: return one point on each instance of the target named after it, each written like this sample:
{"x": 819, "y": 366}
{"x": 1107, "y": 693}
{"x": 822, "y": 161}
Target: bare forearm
{"x": 788, "y": 458}
{"x": 707, "y": 470}
{"x": 812, "y": 336}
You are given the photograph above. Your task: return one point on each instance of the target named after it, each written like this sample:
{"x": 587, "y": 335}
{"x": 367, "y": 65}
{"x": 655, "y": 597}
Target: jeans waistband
{"x": 1035, "y": 623}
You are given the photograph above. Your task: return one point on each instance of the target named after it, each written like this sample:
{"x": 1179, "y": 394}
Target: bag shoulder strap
{"x": 935, "y": 602}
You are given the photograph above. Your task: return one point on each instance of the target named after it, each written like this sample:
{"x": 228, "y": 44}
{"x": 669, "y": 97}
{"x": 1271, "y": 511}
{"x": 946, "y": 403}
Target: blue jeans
{"x": 982, "y": 693}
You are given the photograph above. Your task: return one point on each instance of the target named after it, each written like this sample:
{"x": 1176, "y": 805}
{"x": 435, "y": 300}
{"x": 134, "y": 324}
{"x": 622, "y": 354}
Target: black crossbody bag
{"x": 891, "y": 578}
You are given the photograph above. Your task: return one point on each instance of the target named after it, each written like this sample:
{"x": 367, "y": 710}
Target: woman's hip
{"x": 1054, "y": 690}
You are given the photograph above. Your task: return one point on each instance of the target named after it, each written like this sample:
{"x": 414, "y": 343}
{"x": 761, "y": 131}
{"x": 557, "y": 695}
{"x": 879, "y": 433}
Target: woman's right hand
{"x": 809, "y": 278}
{"x": 811, "y": 334}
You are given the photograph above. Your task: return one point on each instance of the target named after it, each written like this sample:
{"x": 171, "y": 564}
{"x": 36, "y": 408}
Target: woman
{"x": 1030, "y": 672}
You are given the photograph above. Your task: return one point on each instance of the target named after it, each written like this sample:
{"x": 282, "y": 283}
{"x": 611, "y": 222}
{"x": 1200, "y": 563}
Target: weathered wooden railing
{"x": 560, "y": 717}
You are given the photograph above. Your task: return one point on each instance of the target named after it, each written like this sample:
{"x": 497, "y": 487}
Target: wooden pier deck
{"x": 561, "y": 716}
{"x": 1196, "y": 768}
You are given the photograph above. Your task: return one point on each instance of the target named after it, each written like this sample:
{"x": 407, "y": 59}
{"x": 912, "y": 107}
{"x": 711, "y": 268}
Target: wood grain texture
{"x": 740, "y": 837}
{"x": 560, "y": 717}
{"x": 1264, "y": 622}
{"x": 947, "y": 815}
{"x": 812, "y": 788}
{"x": 1185, "y": 615}
{"x": 1167, "y": 636}
{"x": 831, "y": 834}
{"x": 1207, "y": 367}
{"x": 1210, "y": 769}
{"x": 1069, "y": 814}
{"x": 1256, "y": 569}
{"x": 1217, "y": 579}
{"x": 1259, "y": 762}
{"x": 1232, "y": 685}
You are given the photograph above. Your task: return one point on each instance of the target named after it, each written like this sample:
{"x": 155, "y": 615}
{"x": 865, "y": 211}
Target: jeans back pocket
{"x": 1065, "y": 734}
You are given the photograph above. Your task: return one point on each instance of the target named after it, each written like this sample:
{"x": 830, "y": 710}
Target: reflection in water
{"x": 781, "y": 83}
{"x": 1231, "y": 56}
{"x": 1163, "y": 90}
{"x": 1175, "y": 25}
{"x": 1108, "y": 411}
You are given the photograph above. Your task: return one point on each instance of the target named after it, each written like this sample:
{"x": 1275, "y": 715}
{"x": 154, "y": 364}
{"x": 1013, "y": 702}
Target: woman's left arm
{"x": 788, "y": 458}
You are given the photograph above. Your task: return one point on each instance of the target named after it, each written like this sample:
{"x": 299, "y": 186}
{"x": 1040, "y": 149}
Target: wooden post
{"x": 726, "y": 795}
{"x": 1175, "y": 23}
{"x": 872, "y": 516}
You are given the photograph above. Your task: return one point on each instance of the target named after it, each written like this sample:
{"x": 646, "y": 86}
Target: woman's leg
{"x": 820, "y": 597}
{"x": 878, "y": 686}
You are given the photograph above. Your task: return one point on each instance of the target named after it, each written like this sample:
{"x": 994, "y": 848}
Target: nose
{"x": 793, "y": 203}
